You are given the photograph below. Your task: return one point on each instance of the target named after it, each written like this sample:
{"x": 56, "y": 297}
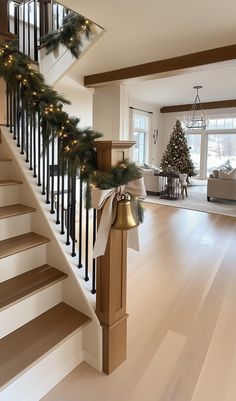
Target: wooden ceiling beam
{"x": 161, "y": 66}
{"x": 220, "y": 104}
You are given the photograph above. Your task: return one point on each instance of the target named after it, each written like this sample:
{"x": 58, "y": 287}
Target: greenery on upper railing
{"x": 74, "y": 29}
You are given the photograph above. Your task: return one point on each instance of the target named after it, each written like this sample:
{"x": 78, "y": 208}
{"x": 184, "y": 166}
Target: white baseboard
{"x": 94, "y": 362}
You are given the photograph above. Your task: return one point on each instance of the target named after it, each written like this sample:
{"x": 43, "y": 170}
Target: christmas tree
{"x": 177, "y": 157}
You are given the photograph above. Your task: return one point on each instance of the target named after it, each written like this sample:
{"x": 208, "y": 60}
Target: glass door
{"x": 221, "y": 149}
{"x": 194, "y": 142}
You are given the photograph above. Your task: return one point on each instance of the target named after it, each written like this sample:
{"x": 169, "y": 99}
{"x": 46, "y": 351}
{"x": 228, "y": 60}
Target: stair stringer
{"x": 75, "y": 291}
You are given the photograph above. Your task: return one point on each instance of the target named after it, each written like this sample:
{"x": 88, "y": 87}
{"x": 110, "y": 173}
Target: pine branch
{"x": 71, "y": 35}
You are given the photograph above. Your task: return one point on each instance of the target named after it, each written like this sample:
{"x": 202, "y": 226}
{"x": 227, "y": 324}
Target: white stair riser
{"x": 6, "y": 171}
{"x": 22, "y": 262}
{"x": 9, "y": 195}
{"x": 16, "y": 225}
{"x": 43, "y": 376}
{"x": 22, "y": 312}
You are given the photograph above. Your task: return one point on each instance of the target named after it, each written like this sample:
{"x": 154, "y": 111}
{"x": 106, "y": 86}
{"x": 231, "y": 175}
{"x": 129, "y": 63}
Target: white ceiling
{"x": 218, "y": 84}
{"x": 138, "y": 31}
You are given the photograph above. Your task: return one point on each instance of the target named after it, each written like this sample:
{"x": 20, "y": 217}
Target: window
{"x": 214, "y": 146}
{"x": 140, "y": 126}
{"x": 221, "y": 148}
{"x": 194, "y": 142}
{"x": 221, "y": 123}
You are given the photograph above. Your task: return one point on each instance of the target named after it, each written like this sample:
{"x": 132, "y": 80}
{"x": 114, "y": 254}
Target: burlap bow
{"x": 104, "y": 198}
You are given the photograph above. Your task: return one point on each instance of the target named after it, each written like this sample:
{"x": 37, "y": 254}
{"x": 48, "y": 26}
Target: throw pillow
{"x": 223, "y": 175}
{"x": 215, "y": 174}
{"x": 148, "y": 166}
{"x": 232, "y": 174}
{"x": 226, "y": 166}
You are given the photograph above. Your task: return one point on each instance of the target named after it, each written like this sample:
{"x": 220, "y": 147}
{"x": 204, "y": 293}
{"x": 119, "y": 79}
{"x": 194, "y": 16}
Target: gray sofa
{"x": 222, "y": 189}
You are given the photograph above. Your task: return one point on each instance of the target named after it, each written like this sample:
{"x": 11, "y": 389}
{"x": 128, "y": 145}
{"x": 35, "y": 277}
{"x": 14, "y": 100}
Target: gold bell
{"x": 124, "y": 217}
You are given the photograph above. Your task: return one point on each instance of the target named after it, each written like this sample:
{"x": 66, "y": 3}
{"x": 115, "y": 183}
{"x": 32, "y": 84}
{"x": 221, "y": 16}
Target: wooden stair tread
{"x": 21, "y": 243}
{"x": 5, "y": 183}
{"x": 5, "y": 159}
{"x": 27, "y": 345}
{"x": 19, "y": 287}
{"x": 14, "y": 210}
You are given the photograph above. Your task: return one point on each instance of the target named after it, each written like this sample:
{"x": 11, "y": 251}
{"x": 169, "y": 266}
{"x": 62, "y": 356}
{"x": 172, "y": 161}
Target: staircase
{"x": 41, "y": 335}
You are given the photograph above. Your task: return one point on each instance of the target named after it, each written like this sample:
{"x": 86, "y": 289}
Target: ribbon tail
{"x": 133, "y": 239}
{"x": 104, "y": 228}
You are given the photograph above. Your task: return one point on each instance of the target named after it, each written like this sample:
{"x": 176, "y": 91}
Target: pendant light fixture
{"x": 196, "y": 118}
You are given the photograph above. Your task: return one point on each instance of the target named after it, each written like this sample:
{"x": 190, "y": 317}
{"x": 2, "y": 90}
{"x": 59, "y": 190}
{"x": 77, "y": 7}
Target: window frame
{"x": 136, "y": 113}
{"x": 205, "y": 140}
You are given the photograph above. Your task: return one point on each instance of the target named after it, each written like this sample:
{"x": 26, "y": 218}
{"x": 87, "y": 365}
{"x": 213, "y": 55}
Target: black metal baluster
{"x": 16, "y": 20}
{"x": 26, "y": 134}
{"x": 18, "y": 117}
{"x": 35, "y": 32}
{"x": 94, "y": 259}
{"x": 58, "y": 182}
{"x": 23, "y": 27}
{"x": 86, "y": 243}
{"x": 68, "y": 205}
{"x": 8, "y": 16}
{"x": 52, "y": 12}
{"x": 34, "y": 147}
{"x": 62, "y": 195}
{"x": 22, "y": 128}
{"x": 28, "y": 20}
{"x": 48, "y": 172}
{"x": 73, "y": 210}
{"x": 39, "y": 149}
{"x": 15, "y": 116}
{"x": 57, "y": 26}
{"x": 31, "y": 143}
{"x": 52, "y": 211}
{"x": 43, "y": 167}
{"x": 80, "y": 265}
{"x": 10, "y": 111}
{"x": 7, "y": 104}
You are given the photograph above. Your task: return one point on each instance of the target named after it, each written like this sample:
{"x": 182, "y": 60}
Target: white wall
{"x": 155, "y": 124}
{"x": 108, "y": 106}
{"x": 81, "y": 100}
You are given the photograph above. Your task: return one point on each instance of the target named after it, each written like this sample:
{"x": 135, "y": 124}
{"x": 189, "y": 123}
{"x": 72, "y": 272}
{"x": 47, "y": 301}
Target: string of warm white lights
{"x": 74, "y": 29}
{"x": 76, "y": 144}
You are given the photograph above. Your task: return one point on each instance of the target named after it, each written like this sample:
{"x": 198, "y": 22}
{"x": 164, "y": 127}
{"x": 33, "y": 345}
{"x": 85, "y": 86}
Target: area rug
{"x": 197, "y": 200}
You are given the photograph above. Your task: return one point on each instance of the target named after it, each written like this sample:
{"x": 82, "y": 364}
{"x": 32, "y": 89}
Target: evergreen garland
{"x": 74, "y": 29}
{"x": 76, "y": 145}
{"x": 123, "y": 173}
{"x": 177, "y": 157}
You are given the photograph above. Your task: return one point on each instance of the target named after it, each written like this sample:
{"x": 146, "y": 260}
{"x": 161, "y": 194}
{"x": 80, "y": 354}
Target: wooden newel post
{"x": 112, "y": 272}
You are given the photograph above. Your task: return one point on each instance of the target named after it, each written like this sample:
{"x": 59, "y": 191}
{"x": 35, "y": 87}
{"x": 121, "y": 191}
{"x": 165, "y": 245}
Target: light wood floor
{"x": 182, "y": 323}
